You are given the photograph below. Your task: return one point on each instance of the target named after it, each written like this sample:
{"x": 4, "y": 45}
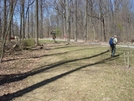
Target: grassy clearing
{"x": 99, "y": 77}
{"x": 81, "y": 73}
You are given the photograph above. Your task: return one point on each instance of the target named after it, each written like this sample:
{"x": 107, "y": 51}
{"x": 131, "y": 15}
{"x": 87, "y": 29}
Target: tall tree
{"x": 23, "y": 18}
{"x": 67, "y": 21}
{"x": 10, "y": 29}
{"x": 5, "y": 19}
{"x": 7, "y": 31}
{"x": 41, "y": 18}
{"x": 85, "y": 20}
{"x": 37, "y": 23}
{"x": 75, "y": 22}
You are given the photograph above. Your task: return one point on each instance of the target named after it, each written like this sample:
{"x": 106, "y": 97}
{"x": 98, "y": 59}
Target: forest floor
{"x": 60, "y": 72}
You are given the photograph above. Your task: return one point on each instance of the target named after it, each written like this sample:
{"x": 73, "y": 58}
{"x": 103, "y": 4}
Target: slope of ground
{"x": 62, "y": 72}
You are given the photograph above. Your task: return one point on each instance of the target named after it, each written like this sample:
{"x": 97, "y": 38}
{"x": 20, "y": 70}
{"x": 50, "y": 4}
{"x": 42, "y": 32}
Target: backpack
{"x": 111, "y": 41}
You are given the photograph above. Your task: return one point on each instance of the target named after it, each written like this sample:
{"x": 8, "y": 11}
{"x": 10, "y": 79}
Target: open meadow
{"x": 74, "y": 72}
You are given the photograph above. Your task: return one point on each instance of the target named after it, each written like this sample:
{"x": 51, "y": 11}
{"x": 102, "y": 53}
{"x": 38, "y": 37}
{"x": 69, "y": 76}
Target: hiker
{"x": 112, "y": 43}
{"x": 53, "y": 33}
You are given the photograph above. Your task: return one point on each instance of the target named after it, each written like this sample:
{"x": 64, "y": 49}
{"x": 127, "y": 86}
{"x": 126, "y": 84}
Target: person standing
{"x": 53, "y": 33}
{"x": 113, "y": 41}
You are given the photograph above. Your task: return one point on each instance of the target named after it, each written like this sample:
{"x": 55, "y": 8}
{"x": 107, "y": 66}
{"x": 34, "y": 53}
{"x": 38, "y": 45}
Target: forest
{"x": 78, "y": 19}
{"x": 36, "y": 67}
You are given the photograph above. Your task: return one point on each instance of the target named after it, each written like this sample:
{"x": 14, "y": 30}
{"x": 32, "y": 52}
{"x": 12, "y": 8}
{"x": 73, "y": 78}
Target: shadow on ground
{"x": 17, "y": 77}
{"x": 19, "y": 93}
{"x": 46, "y": 55}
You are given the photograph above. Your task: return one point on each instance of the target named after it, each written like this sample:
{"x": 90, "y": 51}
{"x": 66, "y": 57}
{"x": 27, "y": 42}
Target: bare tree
{"x": 5, "y": 19}
{"x": 41, "y": 18}
{"x": 37, "y": 23}
{"x": 67, "y": 21}
{"x": 8, "y": 27}
{"x": 75, "y": 22}
{"x": 85, "y": 20}
{"x": 22, "y": 19}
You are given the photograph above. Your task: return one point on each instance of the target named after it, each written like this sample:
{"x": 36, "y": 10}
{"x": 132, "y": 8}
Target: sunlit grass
{"x": 90, "y": 74}
{"x": 109, "y": 80}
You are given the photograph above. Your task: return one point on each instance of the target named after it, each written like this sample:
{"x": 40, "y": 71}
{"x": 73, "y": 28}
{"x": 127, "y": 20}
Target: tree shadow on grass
{"x": 55, "y": 54}
{"x": 19, "y": 93}
{"x": 59, "y": 53}
{"x": 18, "y": 77}
{"x": 42, "y": 55}
{"x": 60, "y": 47}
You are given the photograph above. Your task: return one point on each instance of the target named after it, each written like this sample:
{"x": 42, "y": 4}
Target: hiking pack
{"x": 111, "y": 41}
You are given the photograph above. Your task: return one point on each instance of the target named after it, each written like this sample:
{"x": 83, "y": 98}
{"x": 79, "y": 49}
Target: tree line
{"x": 78, "y": 19}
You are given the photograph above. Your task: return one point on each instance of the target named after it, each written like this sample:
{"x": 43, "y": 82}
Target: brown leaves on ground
{"x": 14, "y": 67}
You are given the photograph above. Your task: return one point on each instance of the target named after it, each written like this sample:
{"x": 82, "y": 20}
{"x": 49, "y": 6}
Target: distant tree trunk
{"x": 91, "y": 19}
{"x": 75, "y": 22}
{"x": 104, "y": 32}
{"x": 32, "y": 22}
{"x": 5, "y": 20}
{"x": 102, "y": 20}
{"x": 20, "y": 24}
{"x": 28, "y": 32}
{"x": 64, "y": 20}
{"x": 10, "y": 26}
{"x": 41, "y": 15}
{"x": 23, "y": 19}
{"x": 67, "y": 21}
{"x": 63, "y": 24}
{"x": 36, "y": 35}
{"x": 85, "y": 21}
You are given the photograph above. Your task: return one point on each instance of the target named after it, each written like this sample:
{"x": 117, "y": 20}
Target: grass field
{"x": 79, "y": 72}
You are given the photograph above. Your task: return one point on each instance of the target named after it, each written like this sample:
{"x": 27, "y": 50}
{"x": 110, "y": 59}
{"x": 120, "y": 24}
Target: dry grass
{"x": 79, "y": 73}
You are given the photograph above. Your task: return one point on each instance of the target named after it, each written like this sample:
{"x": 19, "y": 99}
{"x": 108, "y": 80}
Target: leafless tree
{"x": 37, "y": 23}
{"x": 7, "y": 31}
{"x": 67, "y": 21}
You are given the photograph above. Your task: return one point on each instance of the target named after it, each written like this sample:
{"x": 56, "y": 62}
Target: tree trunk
{"x": 63, "y": 34}
{"x": 36, "y": 35}
{"x": 28, "y": 32}
{"x": 85, "y": 21}
{"x": 20, "y": 25}
{"x": 67, "y": 21}
{"x": 104, "y": 33}
{"x": 23, "y": 19}
{"x": 10, "y": 29}
{"x": 64, "y": 19}
{"x": 5, "y": 34}
{"x": 41, "y": 15}
{"x": 5, "y": 20}
{"x": 75, "y": 22}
